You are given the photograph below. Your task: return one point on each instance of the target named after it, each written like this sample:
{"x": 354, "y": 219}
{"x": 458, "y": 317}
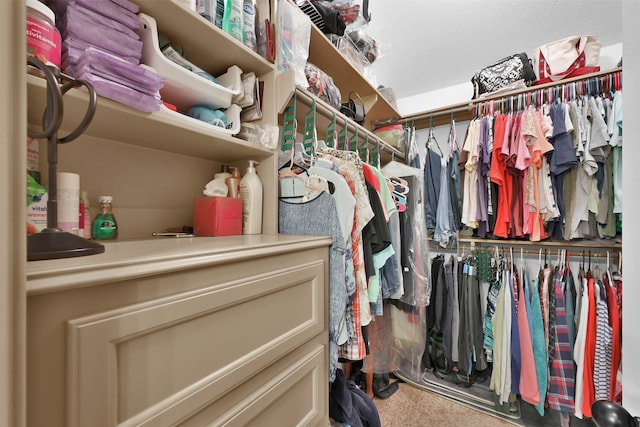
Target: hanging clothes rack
{"x": 598, "y": 82}
{"x": 598, "y": 249}
{"x": 346, "y": 128}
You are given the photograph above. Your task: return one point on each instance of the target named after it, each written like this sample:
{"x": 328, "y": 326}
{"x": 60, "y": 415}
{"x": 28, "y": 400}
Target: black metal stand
{"x": 52, "y": 242}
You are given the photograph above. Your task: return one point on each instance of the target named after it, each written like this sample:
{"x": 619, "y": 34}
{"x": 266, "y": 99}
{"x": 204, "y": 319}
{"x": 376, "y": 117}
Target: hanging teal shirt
{"x": 539, "y": 346}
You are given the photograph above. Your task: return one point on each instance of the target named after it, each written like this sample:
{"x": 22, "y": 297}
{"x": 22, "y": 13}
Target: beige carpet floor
{"x": 411, "y": 406}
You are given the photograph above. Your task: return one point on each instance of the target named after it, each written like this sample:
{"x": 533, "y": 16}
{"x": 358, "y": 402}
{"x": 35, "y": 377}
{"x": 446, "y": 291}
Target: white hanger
{"x": 540, "y": 259}
{"x": 294, "y": 186}
{"x": 316, "y": 185}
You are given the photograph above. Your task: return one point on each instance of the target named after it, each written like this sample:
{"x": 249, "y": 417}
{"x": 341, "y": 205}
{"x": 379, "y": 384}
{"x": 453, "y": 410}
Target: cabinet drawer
{"x": 172, "y": 355}
{"x": 291, "y": 392}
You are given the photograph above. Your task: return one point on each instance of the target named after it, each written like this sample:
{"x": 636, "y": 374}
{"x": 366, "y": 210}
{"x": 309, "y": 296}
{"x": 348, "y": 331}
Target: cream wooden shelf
{"x": 205, "y": 45}
{"x": 162, "y": 130}
{"x": 347, "y": 78}
{"x": 463, "y": 110}
{"x": 128, "y": 259}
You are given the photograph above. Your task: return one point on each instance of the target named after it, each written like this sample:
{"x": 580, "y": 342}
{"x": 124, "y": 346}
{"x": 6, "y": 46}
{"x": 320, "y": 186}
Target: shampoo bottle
{"x": 219, "y": 13}
{"x": 251, "y": 194}
{"x": 223, "y": 174}
{"x": 249, "y": 22}
{"x": 233, "y": 20}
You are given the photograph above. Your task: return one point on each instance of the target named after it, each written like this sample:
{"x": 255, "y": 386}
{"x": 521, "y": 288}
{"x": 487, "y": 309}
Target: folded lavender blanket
{"x": 101, "y": 36}
{"x": 76, "y": 11}
{"x": 107, "y": 8}
{"x": 111, "y": 67}
{"x": 72, "y": 50}
{"x": 61, "y": 5}
{"x": 123, "y": 94}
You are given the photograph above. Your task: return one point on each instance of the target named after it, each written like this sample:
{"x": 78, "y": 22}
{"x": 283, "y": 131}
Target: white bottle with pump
{"x": 251, "y": 194}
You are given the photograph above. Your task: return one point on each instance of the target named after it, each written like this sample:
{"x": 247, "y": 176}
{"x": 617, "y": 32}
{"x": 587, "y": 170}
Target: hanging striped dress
{"x": 602, "y": 365}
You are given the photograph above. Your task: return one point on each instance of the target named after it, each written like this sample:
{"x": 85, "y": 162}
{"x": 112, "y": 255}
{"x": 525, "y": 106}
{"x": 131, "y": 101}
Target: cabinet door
{"x": 231, "y": 351}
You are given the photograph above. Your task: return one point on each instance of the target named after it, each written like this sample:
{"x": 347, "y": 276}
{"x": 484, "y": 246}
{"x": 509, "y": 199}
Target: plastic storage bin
{"x": 182, "y": 87}
{"x": 232, "y": 114}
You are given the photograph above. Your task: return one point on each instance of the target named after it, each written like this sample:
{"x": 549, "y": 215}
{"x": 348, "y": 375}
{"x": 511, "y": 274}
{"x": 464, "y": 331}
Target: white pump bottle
{"x": 251, "y": 194}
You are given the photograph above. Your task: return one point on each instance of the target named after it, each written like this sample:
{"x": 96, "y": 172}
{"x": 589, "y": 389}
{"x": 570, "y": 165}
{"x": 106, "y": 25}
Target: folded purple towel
{"x": 60, "y": 6}
{"x": 130, "y": 6}
{"x": 105, "y": 8}
{"x": 78, "y": 12}
{"x": 72, "y": 50}
{"x": 123, "y": 94}
{"x": 101, "y": 36}
{"x": 111, "y": 67}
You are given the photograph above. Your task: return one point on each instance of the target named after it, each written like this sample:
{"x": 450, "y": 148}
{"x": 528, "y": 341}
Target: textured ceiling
{"x": 432, "y": 44}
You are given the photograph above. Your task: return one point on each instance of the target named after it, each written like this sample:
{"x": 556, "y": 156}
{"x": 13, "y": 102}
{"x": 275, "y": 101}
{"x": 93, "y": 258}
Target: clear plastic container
{"x": 43, "y": 38}
{"x": 182, "y": 87}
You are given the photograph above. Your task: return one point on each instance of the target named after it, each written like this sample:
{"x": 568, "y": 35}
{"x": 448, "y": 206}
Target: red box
{"x": 217, "y": 216}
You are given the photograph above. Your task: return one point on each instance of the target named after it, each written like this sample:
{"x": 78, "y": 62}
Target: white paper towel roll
{"x": 68, "y": 201}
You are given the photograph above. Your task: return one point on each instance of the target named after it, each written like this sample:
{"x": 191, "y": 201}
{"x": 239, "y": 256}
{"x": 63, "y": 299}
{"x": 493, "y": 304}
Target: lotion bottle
{"x": 251, "y": 194}
{"x": 233, "y": 19}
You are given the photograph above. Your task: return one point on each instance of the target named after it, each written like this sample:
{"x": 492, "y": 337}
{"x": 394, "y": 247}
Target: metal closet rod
{"x": 467, "y": 107}
{"x": 581, "y": 249}
{"x": 600, "y": 244}
{"x": 307, "y": 99}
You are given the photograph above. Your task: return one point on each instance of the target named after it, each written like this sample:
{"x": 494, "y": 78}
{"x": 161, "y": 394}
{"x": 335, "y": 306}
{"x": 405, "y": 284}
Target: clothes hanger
{"x": 293, "y": 186}
{"x": 432, "y": 139}
{"x": 342, "y": 137}
{"x": 511, "y": 258}
{"x": 353, "y": 142}
{"x": 540, "y": 259}
{"x": 300, "y": 157}
{"x": 363, "y": 150}
{"x": 315, "y": 185}
{"x": 609, "y": 275}
{"x": 452, "y": 141}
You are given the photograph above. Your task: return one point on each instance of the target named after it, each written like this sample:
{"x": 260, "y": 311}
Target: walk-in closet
{"x": 329, "y": 212}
